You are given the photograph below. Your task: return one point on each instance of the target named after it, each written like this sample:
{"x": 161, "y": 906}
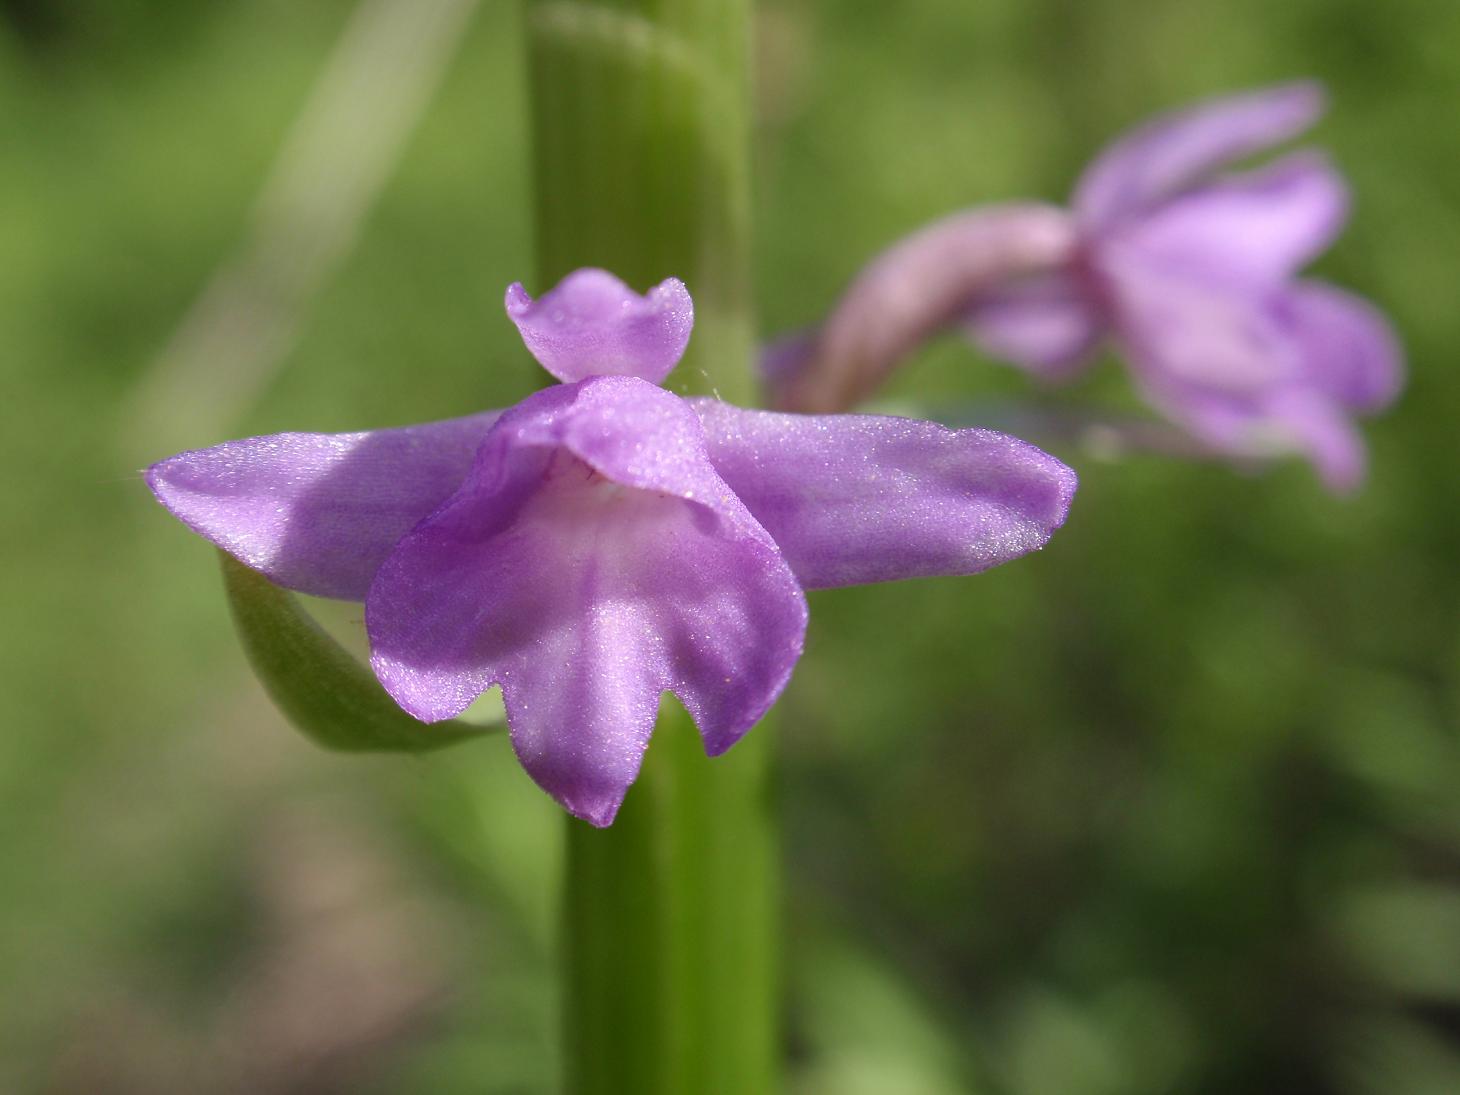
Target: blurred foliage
{"x": 1172, "y": 807}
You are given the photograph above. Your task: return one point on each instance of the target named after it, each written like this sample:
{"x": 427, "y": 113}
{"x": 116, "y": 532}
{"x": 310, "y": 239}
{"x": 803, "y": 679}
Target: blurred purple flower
{"x": 605, "y": 540}
{"x": 1193, "y": 275}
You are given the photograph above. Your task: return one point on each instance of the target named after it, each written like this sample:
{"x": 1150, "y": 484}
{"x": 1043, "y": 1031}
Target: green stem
{"x": 641, "y": 128}
{"x": 640, "y": 114}
{"x": 670, "y": 981}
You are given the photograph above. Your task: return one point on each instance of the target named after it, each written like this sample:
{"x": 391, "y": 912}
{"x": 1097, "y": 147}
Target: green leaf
{"x": 319, "y": 686}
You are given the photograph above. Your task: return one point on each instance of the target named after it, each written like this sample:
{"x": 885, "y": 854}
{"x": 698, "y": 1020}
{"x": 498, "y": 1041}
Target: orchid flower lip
{"x": 606, "y": 541}
{"x": 586, "y": 605}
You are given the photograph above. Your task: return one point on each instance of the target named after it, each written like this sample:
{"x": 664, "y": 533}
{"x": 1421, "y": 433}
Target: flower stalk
{"x": 640, "y": 121}
{"x": 917, "y": 288}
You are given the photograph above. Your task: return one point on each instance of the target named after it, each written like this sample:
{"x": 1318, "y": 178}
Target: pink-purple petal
{"x": 1266, "y": 421}
{"x": 1349, "y": 349}
{"x": 1181, "y": 148}
{"x": 1181, "y": 329}
{"x": 592, "y": 560}
{"x": 319, "y": 513}
{"x": 1319, "y": 428}
{"x": 592, "y": 324}
{"x": 866, "y": 498}
{"x": 1049, "y": 323}
{"x": 1260, "y": 227}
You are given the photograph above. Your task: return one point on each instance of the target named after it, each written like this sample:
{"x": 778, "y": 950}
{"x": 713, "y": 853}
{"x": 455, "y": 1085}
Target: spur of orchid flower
{"x": 605, "y": 540}
{"x": 1191, "y": 273}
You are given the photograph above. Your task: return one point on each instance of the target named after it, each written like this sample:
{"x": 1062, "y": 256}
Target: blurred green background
{"x": 1173, "y": 806}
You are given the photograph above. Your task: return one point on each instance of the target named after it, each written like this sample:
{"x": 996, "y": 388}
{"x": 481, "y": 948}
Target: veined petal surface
{"x": 868, "y": 498}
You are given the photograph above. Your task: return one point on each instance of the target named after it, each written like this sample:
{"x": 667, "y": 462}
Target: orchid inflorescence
{"x": 606, "y": 540}
{"x": 1189, "y": 273}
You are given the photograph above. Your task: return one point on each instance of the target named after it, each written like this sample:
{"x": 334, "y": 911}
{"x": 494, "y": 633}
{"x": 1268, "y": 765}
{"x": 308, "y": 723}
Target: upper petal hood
{"x": 592, "y": 324}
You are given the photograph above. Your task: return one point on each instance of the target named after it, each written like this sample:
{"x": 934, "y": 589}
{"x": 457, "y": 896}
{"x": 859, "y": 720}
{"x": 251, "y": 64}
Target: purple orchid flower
{"x": 606, "y": 540}
{"x": 1193, "y": 275}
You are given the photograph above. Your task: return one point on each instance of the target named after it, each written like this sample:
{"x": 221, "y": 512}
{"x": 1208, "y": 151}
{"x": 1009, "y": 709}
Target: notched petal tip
{"x": 585, "y": 755}
{"x": 584, "y": 763}
{"x": 592, "y": 324}
{"x": 598, "y": 813}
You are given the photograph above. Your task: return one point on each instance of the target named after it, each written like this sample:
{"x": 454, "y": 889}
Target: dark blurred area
{"x": 1172, "y": 806}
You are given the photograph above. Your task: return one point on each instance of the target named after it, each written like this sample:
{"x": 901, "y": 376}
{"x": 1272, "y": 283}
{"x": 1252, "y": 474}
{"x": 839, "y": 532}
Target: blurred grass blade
{"x": 339, "y": 155}
{"x": 319, "y": 686}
